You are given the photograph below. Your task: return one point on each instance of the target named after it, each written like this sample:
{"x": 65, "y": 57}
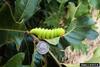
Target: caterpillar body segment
{"x": 47, "y": 33}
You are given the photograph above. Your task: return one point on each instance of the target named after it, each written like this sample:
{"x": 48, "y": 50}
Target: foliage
{"x": 18, "y": 17}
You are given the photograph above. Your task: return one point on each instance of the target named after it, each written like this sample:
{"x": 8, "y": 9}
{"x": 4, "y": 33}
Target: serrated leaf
{"x": 24, "y": 9}
{"x": 53, "y": 41}
{"x": 94, "y": 3}
{"x": 15, "y": 61}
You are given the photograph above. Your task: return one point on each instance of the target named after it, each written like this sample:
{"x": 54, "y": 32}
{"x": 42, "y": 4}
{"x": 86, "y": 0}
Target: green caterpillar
{"x": 47, "y": 33}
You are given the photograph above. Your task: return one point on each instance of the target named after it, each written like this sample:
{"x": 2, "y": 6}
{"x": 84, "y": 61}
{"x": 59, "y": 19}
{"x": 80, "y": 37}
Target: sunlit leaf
{"x": 53, "y": 41}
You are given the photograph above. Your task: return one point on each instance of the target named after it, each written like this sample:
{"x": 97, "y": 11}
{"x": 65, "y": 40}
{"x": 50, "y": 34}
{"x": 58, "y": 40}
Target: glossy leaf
{"x": 24, "y": 9}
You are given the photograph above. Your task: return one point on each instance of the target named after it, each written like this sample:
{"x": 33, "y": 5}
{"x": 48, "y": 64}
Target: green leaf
{"x": 15, "y": 61}
{"x": 71, "y": 10}
{"x": 78, "y": 30}
{"x": 10, "y": 31}
{"x": 94, "y": 3}
{"x": 24, "y": 9}
{"x": 96, "y": 56}
{"x": 75, "y": 39}
{"x": 11, "y": 36}
{"x": 51, "y": 7}
{"x": 83, "y": 9}
{"x": 53, "y": 41}
{"x": 26, "y": 66}
{"x": 2, "y": 6}
{"x": 97, "y": 52}
{"x": 9, "y": 23}
{"x": 71, "y": 65}
{"x": 92, "y": 34}
{"x": 85, "y": 21}
{"x": 49, "y": 1}
{"x": 53, "y": 20}
{"x": 62, "y": 1}
{"x": 9, "y": 50}
{"x": 57, "y": 52}
{"x": 94, "y": 60}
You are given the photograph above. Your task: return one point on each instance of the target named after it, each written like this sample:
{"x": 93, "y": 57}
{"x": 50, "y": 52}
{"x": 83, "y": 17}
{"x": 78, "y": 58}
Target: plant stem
{"x": 12, "y": 30}
{"x": 55, "y": 58}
